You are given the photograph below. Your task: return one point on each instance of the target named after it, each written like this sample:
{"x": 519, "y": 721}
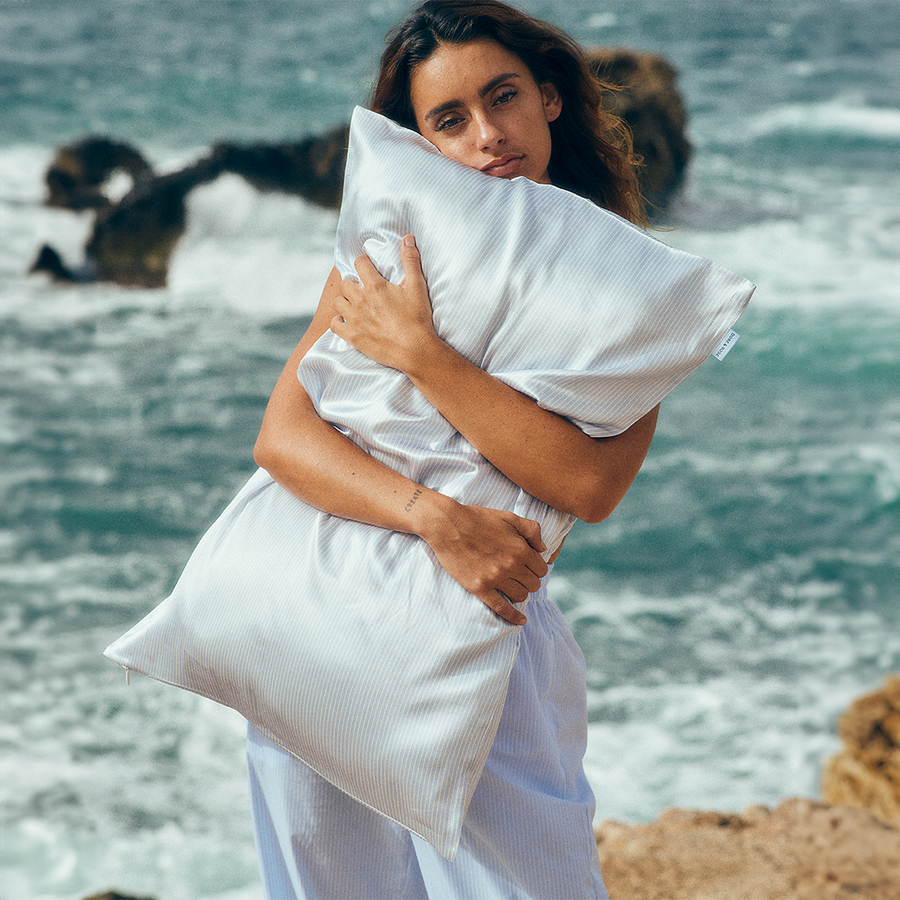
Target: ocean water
{"x": 746, "y": 589}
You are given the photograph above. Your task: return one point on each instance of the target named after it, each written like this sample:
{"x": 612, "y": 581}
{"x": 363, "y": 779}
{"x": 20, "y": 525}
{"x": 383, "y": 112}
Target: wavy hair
{"x": 591, "y": 151}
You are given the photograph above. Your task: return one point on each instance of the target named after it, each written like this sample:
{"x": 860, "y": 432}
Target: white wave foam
{"x": 267, "y": 254}
{"x": 839, "y": 116}
{"x": 738, "y": 698}
{"x": 845, "y": 256}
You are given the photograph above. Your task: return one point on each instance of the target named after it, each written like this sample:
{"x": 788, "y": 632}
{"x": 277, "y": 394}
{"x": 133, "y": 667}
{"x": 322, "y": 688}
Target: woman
{"x": 510, "y": 96}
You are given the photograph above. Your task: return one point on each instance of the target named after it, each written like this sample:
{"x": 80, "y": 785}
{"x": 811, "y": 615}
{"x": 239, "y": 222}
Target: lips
{"x": 505, "y": 166}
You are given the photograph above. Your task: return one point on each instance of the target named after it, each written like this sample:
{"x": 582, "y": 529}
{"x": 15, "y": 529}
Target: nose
{"x": 489, "y": 132}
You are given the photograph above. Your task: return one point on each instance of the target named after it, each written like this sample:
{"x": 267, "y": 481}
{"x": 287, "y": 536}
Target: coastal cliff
{"x": 866, "y": 772}
{"x": 802, "y": 850}
{"x": 847, "y": 847}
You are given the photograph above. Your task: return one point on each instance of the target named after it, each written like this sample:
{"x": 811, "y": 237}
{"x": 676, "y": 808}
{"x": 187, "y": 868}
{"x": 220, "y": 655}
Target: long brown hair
{"x": 591, "y": 148}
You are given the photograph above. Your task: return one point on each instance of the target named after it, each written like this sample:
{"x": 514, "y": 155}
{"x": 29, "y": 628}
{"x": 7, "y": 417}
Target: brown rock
{"x": 866, "y": 773}
{"x": 312, "y": 168}
{"x": 79, "y": 171}
{"x": 802, "y": 850}
{"x": 132, "y": 240}
{"x": 649, "y": 101}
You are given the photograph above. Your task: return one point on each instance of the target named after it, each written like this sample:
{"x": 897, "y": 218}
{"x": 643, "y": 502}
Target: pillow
{"x": 348, "y": 644}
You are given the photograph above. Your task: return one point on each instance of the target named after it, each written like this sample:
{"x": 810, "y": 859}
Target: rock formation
{"x": 649, "y": 101}
{"x": 312, "y": 168}
{"x": 78, "y": 173}
{"x": 866, "y": 773}
{"x": 115, "y": 895}
{"x": 132, "y": 239}
{"x": 800, "y": 851}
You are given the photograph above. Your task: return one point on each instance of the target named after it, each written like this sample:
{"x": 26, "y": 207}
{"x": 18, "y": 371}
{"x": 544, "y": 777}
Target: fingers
{"x": 337, "y": 325}
{"x": 531, "y": 531}
{"x": 499, "y": 604}
{"x": 341, "y": 305}
{"x": 366, "y": 270}
{"x": 411, "y": 259}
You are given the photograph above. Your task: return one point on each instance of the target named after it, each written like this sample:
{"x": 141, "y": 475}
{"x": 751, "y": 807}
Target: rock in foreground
{"x": 866, "y": 773}
{"x": 802, "y": 850}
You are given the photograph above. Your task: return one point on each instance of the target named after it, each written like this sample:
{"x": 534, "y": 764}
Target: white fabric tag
{"x": 730, "y": 340}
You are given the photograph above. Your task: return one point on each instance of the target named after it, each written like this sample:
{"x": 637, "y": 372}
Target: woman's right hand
{"x": 493, "y": 554}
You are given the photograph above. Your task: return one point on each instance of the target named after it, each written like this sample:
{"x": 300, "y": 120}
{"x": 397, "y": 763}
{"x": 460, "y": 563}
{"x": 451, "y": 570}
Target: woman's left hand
{"x": 389, "y": 323}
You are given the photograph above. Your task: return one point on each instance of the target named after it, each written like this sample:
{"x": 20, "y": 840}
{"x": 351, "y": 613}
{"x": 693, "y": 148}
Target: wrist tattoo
{"x": 412, "y": 500}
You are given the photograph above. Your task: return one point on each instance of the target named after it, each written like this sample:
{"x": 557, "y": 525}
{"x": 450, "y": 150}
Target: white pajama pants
{"x": 528, "y": 832}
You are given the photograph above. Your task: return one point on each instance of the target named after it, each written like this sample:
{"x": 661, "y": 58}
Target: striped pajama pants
{"x": 528, "y": 831}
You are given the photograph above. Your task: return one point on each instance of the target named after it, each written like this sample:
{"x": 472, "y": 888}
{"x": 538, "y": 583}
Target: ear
{"x": 552, "y": 101}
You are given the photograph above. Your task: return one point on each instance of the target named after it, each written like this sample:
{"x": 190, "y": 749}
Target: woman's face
{"x": 479, "y": 104}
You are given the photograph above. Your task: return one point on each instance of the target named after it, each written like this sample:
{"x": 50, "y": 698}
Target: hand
{"x": 389, "y": 323}
{"x": 493, "y": 554}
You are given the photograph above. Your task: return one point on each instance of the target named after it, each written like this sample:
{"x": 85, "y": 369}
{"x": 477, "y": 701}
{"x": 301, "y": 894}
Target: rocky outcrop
{"x": 80, "y": 171}
{"x": 866, "y": 773}
{"x": 131, "y": 242}
{"x": 312, "y": 168}
{"x": 802, "y": 850}
{"x": 648, "y": 99}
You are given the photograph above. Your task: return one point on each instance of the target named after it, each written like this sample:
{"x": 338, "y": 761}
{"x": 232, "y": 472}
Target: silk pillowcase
{"x": 347, "y": 644}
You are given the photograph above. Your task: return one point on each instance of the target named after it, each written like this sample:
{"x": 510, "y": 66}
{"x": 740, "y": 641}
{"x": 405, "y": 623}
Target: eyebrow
{"x": 452, "y": 104}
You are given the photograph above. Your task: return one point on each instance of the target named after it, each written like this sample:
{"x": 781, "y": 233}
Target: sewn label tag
{"x": 730, "y": 340}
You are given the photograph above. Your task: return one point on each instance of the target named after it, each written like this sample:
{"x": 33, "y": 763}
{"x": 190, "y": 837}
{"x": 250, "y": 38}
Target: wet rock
{"x": 802, "y": 850}
{"x": 49, "y": 261}
{"x": 79, "y": 172}
{"x": 866, "y": 773}
{"x": 312, "y": 168}
{"x": 650, "y": 102}
{"x": 131, "y": 241}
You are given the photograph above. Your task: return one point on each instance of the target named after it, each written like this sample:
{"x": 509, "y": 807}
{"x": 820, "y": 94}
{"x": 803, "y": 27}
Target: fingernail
{"x": 409, "y": 240}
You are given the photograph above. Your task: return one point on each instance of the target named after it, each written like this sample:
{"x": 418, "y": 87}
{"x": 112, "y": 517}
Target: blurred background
{"x": 743, "y": 593}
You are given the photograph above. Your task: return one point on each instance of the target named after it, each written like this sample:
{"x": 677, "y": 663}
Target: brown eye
{"x": 449, "y": 122}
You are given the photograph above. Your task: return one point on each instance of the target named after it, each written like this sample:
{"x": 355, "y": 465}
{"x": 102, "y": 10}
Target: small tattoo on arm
{"x": 412, "y": 500}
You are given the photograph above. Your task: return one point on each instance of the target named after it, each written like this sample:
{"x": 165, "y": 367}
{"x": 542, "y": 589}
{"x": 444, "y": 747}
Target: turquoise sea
{"x": 746, "y": 589}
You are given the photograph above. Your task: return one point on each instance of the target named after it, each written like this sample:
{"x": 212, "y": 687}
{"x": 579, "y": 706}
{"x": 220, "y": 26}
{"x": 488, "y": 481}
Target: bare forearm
{"x": 322, "y": 467}
{"x": 540, "y": 451}
{"x": 494, "y": 554}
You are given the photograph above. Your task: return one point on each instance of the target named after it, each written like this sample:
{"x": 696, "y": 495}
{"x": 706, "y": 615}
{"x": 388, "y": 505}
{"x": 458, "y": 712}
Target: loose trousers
{"x": 528, "y": 832}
